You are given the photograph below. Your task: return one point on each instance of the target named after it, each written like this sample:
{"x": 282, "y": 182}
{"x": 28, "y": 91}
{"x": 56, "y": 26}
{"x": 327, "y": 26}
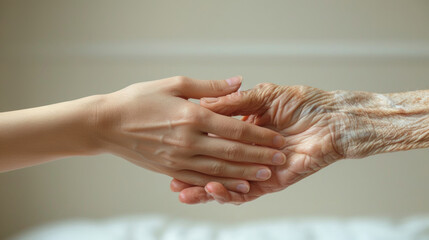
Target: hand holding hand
{"x": 153, "y": 125}
{"x": 316, "y": 129}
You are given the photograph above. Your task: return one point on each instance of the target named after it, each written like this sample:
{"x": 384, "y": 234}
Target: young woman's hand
{"x": 153, "y": 125}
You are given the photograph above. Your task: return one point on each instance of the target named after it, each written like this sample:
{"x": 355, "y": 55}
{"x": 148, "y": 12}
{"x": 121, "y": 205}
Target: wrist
{"x": 91, "y": 112}
{"x": 105, "y": 116}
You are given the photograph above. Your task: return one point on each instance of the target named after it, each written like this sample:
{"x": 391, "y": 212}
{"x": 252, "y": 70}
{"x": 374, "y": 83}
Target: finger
{"x": 219, "y": 192}
{"x": 235, "y": 129}
{"x": 238, "y": 103}
{"x": 177, "y": 185}
{"x": 193, "y": 88}
{"x": 239, "y": 152}
{"x": 199, "y": 179}
{"x": 191, "y": 194}
{"x": 227, "y": 169}
{"x": 212, "y": 191}
{"x": 194, "y": 195}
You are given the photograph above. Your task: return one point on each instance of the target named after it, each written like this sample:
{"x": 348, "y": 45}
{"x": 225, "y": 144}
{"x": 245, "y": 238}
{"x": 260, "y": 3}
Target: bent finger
{"x": 200, "y": 179}
{"x": 238, "y": 103}
{"x": 177, "y": 185}
{"x": 194, "y": 88}
{"x": 194, "y": 195}
{"x": 234, "y": 129}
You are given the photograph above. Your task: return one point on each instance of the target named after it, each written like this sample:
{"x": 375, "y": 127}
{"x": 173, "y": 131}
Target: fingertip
{"x": 243, "y": 187}
{"x": 185, "y": 198}
{"x": 173, "y": 186}
{"x": 182, "y": 197}
{"x": 278, "y": 141}
{"x": 263, "y": 174}
{"x": 279, "y": 158}
{"x": 234, "y": 81}
{"x": 177, "y": 185}
{"x": 194, "y": 195}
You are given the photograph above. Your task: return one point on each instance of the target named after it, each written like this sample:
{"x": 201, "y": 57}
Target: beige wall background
{"x": 53, "y": 51}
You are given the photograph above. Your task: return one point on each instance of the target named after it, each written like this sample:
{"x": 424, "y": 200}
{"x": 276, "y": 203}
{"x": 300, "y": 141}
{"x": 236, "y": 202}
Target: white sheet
{"x": 161, "y": 227}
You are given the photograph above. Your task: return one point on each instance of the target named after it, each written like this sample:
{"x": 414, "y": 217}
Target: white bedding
{"x": 161, "y": 227}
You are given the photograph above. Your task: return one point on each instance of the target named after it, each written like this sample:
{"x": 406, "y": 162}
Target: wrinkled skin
{"x": 312, "y": 123}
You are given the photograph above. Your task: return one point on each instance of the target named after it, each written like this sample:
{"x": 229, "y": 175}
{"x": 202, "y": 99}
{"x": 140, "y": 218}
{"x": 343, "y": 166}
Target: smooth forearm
{"x": 37, "y": 135}
{"x": 379, "y": 123}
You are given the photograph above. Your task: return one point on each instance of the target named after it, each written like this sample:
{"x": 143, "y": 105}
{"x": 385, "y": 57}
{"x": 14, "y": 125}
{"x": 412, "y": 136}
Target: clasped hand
{"x": 167, "y": 133}
{"x": 312, "y": 122}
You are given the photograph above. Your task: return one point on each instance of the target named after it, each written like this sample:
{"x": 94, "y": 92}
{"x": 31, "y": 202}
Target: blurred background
{"x": 52, "y": 51}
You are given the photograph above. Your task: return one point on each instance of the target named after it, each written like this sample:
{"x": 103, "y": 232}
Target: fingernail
{"x": 263, "y": 174}
{"x": 207, "y": 189}
{"x": 243, "y": 188}
{"x": 278, "y": 141}
{"x": 234, "y": 81}
{"x": 279, "y": 158}
{"x": 210, "y": 99}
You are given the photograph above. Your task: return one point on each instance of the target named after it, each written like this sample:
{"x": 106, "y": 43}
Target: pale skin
{"x": 152, "y": 125}
{"x": 319, "y": 128}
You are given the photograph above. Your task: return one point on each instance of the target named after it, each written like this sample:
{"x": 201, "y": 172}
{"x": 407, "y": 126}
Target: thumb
{"x": 193, "y": 88}
{"x": 250, "y": 102}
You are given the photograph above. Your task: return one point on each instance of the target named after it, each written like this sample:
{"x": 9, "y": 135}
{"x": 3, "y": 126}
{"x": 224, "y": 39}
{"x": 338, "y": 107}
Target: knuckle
{"x": 262, "y": 85}
{"x": 217, "y": 168}
{"x": 181, "y": 144}
{"x": 186, "y": 141}
{"x": 191, "y": 114}
{"x": 266, "y": 86}
{"x": 215, "y": 86}
{"x": 262, "y": 156}
{"x": 232, "y": 151}
{"x": 171, "y": 163}
{"x": 203, "y": 114}
{"x": 239, "y": 132}
{"x": 180, "y": 81}
{"x": 310, "y": 166}
{"x": 300, "y": 92}
{"x": 243, "y": 173}
{"x": 173, "y": 153}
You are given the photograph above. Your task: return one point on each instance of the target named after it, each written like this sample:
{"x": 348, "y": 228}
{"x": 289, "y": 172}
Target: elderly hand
{"x": 319, "y": 128}
{"x": 154, "y": 125}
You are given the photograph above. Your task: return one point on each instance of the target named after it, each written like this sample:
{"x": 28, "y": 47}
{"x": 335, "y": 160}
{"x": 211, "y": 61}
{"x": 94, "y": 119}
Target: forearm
{"x": 409, "y": 115}
{"x": 379, "y": 123}
{"x": 37, "y": 135}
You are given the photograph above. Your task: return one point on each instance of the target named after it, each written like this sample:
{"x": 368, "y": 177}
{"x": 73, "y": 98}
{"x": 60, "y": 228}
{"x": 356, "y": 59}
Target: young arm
{"x": 152, "y": 125}
{"x": 37, "y": 135}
